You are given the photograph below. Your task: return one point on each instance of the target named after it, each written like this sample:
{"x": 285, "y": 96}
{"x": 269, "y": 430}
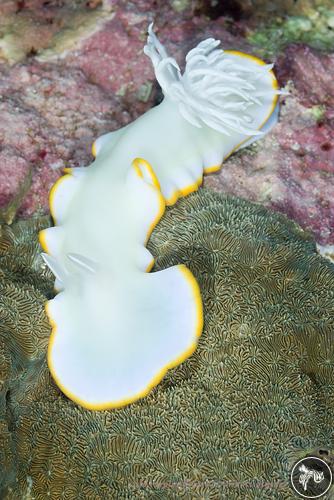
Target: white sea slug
{"x": 117, "y": 328}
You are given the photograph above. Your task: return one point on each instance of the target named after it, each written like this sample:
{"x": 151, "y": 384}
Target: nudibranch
{"x": 117, "y": 327}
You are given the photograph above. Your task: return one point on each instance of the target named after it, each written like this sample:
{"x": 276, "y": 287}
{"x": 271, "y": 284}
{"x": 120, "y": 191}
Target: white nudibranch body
{"x": 117, "y": 328}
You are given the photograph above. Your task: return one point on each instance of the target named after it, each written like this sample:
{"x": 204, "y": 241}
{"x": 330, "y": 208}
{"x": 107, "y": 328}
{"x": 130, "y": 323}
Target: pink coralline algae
{"x": 311, "y": 75}
{"x": 113, "y": 56}
{"x": 45, "y": 127}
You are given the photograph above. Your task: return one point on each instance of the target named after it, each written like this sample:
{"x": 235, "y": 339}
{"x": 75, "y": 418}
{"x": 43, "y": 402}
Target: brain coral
{"x": 230, "y": 421}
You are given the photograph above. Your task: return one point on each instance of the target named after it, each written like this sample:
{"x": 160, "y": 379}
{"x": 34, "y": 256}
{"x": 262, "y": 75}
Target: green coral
{"x": 230, "y": 421}
{"x": 314, "y": 27}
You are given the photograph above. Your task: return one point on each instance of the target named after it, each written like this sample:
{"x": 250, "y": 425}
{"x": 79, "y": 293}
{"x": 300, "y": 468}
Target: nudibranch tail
{"x": 104, "y": 355}
{"x": 116, "y": 329}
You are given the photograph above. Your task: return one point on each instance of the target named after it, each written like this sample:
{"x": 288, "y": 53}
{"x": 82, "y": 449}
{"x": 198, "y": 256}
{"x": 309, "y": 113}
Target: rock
{"x": 30, "y": 26}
